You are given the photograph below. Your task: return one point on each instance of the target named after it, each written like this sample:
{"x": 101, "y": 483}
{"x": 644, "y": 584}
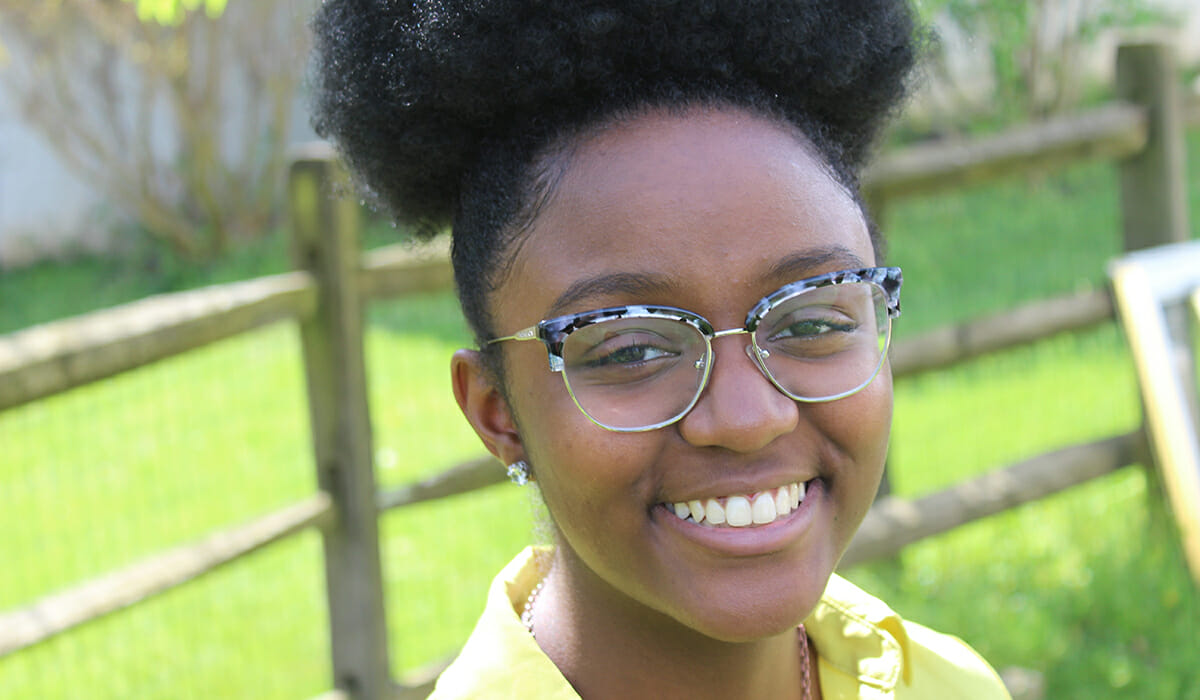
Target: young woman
{"x": 682, "y": 321}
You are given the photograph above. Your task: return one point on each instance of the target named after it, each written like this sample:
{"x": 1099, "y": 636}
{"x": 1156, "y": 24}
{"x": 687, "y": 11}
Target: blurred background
{"x": 144, "y": 150}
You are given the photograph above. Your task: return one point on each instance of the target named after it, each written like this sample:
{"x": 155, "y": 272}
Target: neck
{"x": 608, "y": 645}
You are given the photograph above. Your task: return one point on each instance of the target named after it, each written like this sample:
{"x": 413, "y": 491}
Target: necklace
{"x": 805, "y": 679}
{"x": 527, "y": 613}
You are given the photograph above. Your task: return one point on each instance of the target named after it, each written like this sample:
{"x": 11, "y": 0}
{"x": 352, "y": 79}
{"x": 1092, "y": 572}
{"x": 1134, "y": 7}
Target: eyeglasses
{"x": 640, "y": 367}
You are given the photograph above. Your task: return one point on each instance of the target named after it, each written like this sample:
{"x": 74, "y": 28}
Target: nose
{"x": 740, "y": 409}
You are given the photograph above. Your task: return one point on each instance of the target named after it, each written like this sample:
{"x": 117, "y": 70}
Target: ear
{"x": 484, "y": 406}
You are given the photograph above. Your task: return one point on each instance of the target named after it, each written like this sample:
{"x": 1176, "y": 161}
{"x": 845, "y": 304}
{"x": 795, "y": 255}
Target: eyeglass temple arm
{"x": 530, "y": 333}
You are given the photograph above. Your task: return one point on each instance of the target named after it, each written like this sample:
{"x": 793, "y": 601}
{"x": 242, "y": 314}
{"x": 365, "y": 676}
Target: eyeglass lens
{"x": 639, "y": 373}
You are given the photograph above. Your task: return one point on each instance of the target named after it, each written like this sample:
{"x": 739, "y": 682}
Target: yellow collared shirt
{"x": 866, "y": 651}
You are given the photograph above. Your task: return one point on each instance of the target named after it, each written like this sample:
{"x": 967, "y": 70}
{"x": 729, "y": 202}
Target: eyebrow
{"x": 805, "y": 264}
{"x": 636, "y": 284}
{"x": 640, "y": 284}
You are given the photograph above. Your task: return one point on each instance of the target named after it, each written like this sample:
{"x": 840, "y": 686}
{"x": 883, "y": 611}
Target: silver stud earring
{"x": 519, "y": 472}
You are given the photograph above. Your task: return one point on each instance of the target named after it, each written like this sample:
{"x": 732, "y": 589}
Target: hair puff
{"x": 442, "y": 106}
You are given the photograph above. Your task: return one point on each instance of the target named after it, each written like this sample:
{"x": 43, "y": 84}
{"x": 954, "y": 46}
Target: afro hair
{"x": 443, "y": 108}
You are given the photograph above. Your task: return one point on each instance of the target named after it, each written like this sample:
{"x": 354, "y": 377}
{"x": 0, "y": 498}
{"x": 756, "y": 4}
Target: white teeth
{"x": 738, "y": 512}
{"x": 783, "y": 501}
{"x": 742, "y": 511}
{"x": 714, "y": 513}
{"x": 763, "y": 509}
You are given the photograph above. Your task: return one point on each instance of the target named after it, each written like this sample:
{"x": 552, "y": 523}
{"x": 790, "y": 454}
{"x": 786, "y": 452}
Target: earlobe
{"x": 484, "y": 406}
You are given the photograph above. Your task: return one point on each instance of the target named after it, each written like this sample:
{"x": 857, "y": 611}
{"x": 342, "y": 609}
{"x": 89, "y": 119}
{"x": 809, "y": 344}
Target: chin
{"x": 750, "y": 625}
{"x": 749, "y": 610}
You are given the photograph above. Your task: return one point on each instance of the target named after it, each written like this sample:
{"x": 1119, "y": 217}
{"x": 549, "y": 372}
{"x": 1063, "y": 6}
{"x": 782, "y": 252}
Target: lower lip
{"x": 753, "y": 540}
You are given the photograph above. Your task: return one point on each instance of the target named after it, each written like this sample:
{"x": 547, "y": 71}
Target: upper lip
{"x": 699, "y": 474}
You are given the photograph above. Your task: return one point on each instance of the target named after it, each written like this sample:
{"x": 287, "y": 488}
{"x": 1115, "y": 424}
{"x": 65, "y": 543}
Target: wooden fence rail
{"x": 1030, "y": 323}
{"x": 893, "y": 523}
{"x": 59, "y": 356}
{"x": 1115, "y": 131}
{"x": 55, "y": 614}
{"x": 55, "y": 357}
{"x": 327, "y": 296}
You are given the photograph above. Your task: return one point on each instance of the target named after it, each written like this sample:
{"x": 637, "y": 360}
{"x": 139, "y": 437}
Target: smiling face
{"x": 707, "y": 210}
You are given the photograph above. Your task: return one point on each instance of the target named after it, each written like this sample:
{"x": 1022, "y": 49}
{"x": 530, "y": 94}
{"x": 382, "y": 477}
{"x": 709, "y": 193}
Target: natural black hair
{"x": 450, "y": 111}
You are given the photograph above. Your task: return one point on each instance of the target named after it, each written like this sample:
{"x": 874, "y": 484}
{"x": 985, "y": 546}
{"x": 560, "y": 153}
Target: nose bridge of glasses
{"x": 756, "y": 356}
{"x": 729, "y": 331}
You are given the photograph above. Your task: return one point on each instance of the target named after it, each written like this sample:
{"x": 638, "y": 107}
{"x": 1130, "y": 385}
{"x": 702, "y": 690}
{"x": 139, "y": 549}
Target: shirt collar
{"x": 858, "y": 639}
{"x": 859, "y": 636}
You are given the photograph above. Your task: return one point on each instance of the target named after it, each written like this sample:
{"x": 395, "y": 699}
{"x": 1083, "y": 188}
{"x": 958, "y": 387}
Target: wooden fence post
{"x": 1154, "y": 207}
{"x": 1153, "y": 198}
{"x": 325, "y": 242}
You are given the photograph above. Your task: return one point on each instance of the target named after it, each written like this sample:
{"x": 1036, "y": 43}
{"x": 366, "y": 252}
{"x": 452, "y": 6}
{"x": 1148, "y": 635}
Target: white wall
{"x": 43, "y": 207}
{"x": 46, "y": 210}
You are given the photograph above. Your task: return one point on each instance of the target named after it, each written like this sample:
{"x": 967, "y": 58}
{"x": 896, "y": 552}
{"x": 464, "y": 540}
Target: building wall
{"x": 43, "y": 206}
{"x": 47, "y": 210}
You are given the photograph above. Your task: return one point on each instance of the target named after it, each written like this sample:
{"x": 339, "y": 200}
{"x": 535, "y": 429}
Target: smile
{"x": 762, "y": 508}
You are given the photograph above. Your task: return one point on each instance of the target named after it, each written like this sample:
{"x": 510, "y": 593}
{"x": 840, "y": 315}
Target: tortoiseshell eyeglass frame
{"x": 553, "y": 332}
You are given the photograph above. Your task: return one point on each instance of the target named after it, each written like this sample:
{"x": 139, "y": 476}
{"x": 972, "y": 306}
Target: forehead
{"x": 700, "y": 205}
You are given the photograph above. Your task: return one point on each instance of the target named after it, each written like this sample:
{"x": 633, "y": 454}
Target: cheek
{"x": 558, "y": 438}
{"x": 865, "y": 419}
{"x": 588, "y": 476}
{"x": 538, "y": 396}
{"x": 858, "y": 428}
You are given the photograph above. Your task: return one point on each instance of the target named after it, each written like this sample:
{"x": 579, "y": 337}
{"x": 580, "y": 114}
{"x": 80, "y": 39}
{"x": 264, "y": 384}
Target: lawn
{"x": 1087, "y": 587}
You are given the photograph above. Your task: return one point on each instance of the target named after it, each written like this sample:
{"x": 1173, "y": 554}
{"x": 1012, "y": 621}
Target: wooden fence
{"x": 327, "y": 294}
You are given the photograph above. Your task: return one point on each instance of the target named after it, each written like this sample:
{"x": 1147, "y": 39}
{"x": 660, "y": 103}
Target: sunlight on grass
{"x": 408, "y": 352}
{"x": 103, "y": 475}
{"x": 256, "y": 628}
{"x": 1002, "y": 408}
{"x": 439, "y": 559}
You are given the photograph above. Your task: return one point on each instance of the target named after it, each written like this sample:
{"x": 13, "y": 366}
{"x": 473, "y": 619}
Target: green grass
{"x": 1087, "y": 586}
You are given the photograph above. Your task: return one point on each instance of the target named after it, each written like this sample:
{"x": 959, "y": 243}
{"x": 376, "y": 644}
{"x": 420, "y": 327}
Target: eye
{"x": 802, "y": 328}
{"x": 810, "y": 332}
{"x": 627, "y": 350}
